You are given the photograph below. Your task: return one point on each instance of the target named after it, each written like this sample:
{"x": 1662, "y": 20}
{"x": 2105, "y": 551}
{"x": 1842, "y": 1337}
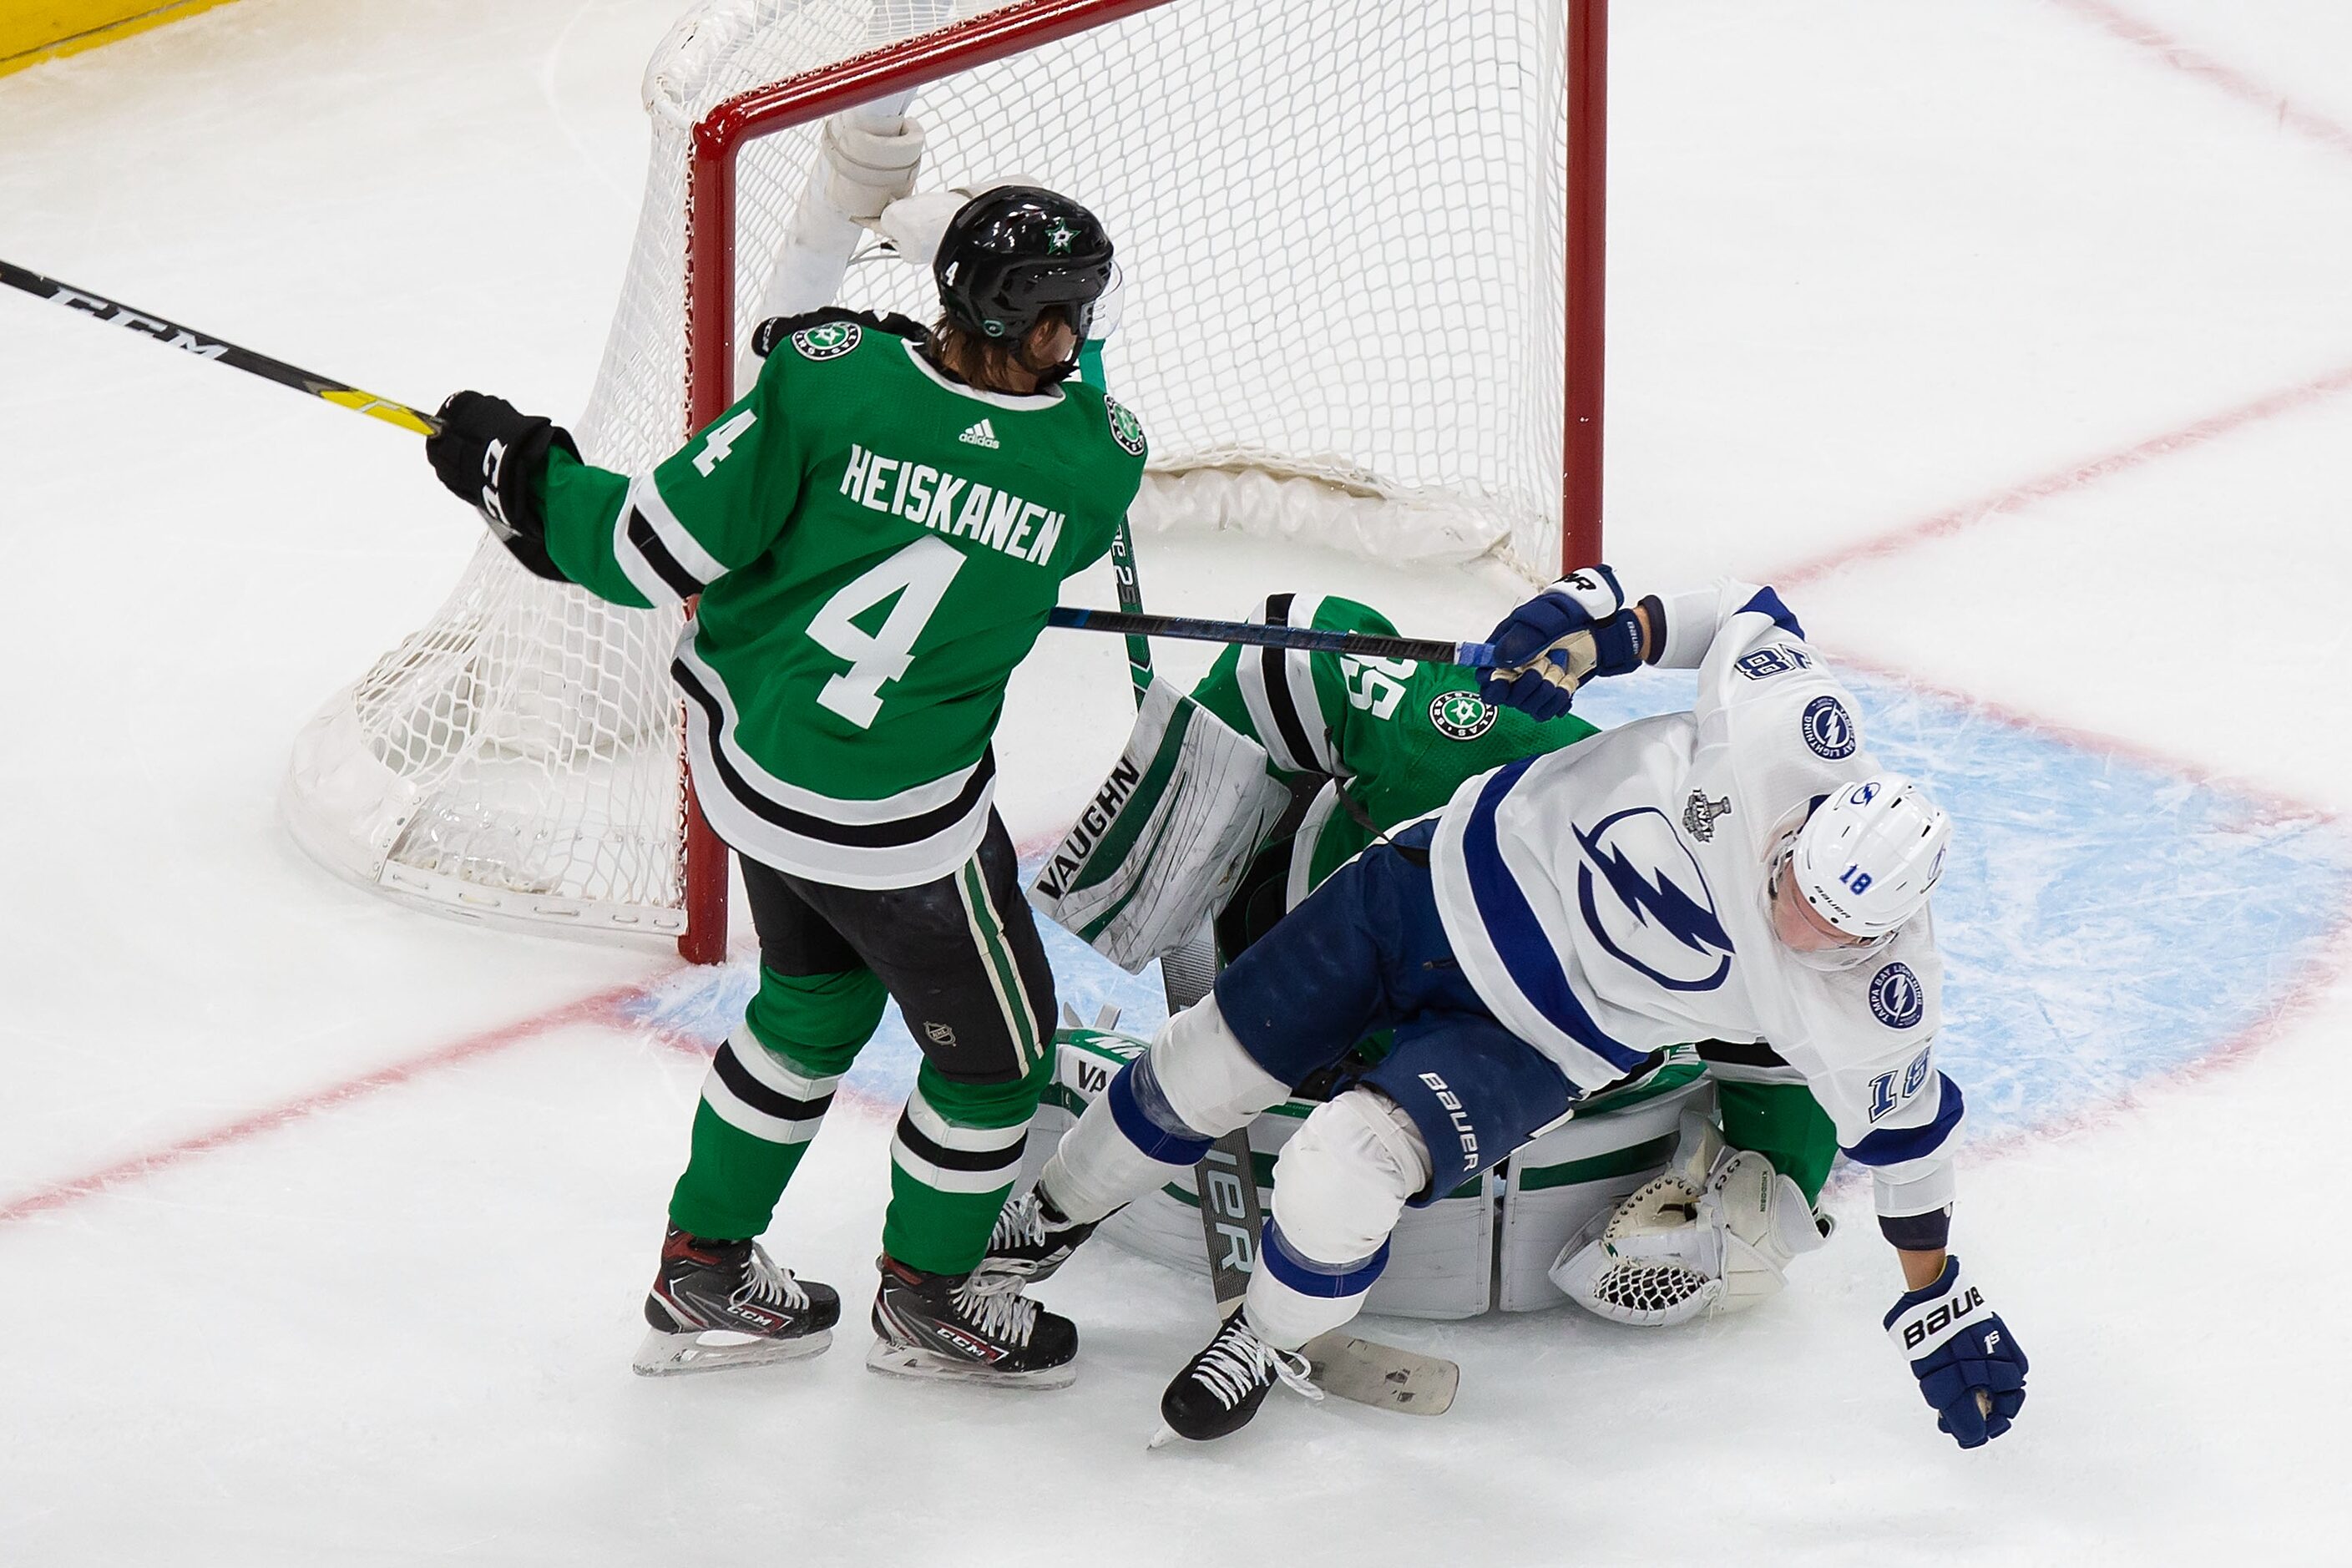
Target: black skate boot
{"x": 968, "y": 1328}
{"x": 1220, "y": 1389}
{"x": 719, "y": 1304}
{"x": 1033, "y": 1237}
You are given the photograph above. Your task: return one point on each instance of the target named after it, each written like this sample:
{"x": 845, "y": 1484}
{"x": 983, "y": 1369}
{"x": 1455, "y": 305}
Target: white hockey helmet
{"x": 1868, "y": 856}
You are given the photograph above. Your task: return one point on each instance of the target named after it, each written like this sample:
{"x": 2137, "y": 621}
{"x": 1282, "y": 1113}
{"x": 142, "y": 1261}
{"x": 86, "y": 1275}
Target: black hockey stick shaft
{"x": 113, "y": 312}
{"x": 1308, "y": 640}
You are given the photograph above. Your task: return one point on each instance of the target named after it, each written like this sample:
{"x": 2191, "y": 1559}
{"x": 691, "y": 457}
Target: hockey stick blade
{"x": 1385, "y": 1376}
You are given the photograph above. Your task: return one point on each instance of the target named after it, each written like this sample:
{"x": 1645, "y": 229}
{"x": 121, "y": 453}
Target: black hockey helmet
{"x": 1011, "y": 254}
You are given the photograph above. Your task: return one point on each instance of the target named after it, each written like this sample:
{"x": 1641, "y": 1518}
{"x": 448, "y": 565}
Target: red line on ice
{"x": 2018, "y": 497}
{"x": 601, "y": 1008}
{"x": 2206, "y": 69}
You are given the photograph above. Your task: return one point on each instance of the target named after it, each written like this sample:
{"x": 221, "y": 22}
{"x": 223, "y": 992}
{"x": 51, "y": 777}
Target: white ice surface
{"x": 1871, "y": 264}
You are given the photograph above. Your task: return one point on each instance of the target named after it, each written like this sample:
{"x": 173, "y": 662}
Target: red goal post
{"x": 1361, "y": 305}
{"x": 913, "y": 62}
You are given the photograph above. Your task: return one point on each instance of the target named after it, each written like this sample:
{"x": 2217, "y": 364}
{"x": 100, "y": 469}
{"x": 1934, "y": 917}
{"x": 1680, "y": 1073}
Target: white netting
{"x": 1341, "y": 225}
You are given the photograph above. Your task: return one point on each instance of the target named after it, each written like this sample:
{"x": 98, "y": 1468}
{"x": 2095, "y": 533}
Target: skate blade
{"x": 675, "y": 1355}
{"x": 1373, "y": 1373}
{"x": 905, "y": 1361}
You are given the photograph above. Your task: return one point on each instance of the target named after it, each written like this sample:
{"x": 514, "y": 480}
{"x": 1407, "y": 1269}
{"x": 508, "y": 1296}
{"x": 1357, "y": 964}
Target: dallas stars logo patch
{"x": 1125, "y": 428}
{"x": 1059, "y": 237}
{"x": 826, "y": 339}
{"x": 1461, "y": 715}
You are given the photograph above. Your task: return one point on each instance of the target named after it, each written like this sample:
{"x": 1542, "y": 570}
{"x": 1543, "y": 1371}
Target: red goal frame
{"x": 720, "y": 136}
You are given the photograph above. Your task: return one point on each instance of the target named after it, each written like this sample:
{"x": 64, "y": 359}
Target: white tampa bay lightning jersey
{"x": 1609, "y": 899}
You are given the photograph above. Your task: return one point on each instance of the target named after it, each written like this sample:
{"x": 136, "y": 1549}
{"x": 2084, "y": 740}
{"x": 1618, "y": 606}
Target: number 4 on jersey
{"x": 918, "y": 576}
{"x": 721, "y": 441}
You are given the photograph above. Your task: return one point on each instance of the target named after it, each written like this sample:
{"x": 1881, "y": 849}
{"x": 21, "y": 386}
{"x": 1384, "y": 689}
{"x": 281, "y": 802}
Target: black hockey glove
{"x": 490, "y": 455}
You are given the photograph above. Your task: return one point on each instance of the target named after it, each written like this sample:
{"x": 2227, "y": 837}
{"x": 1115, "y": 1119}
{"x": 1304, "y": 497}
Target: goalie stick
{"x": 1232, "y": 1218}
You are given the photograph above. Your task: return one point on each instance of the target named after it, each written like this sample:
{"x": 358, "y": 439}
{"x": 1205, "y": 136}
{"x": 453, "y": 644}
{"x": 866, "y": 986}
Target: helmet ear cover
{"x": 1013, "y": 252}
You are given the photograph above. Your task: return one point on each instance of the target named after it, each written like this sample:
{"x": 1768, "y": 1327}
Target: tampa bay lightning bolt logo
{"x": 1896, "y": 996}
{"x": 1644, "y": 897}
{"x": 1828, "y": 729}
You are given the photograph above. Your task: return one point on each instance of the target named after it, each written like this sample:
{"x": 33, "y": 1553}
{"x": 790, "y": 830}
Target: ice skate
{"x": 722, "y": 1304}
{"x": 1220, "y": 1390}
{"x": 1032, "y": 1239}
{"x": 968, "y": 1328}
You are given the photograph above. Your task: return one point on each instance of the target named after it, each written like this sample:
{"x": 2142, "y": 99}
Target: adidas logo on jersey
{"x": 980, "y": 435}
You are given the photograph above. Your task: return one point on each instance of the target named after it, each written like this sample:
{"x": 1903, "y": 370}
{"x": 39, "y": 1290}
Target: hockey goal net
{"x": 1359, "y": 306}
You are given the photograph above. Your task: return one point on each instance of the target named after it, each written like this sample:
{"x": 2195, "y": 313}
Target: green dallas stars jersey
{"x": 876, "y": 546}
{"x": 1399, "y": 737}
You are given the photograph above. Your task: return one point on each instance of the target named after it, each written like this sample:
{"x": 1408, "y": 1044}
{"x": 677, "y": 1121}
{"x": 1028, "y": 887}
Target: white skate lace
{"x": 1022, "y": 1223}
{"x": 769, "y": 1285}
{"x": 1238, "y": 1361}
{"x": 993, "y": 1303}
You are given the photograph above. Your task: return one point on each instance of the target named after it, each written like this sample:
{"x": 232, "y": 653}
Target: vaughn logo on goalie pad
{"x": 1060, "y": 874}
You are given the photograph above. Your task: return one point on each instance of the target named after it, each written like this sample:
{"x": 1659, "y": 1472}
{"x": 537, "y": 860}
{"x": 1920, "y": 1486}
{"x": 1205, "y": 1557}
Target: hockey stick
{"x": 1129, "y": 619}
{"x": 1232, "y": 1218}
{"x": 113, "y": 312}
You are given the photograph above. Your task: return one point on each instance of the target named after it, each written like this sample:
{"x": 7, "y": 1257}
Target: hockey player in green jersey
{"x": 1359, "y": 747}
{"x": 875, "y": 530}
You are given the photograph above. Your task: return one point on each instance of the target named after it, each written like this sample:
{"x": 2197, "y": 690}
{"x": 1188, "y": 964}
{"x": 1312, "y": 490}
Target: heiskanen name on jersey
{"x": 1611, "y": 899}
{"x": 876, "y": 546}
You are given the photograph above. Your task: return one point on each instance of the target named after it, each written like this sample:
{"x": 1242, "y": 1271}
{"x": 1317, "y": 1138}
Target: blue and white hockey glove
{"x": 1574, "y": 630}
{"x": 1967, "y": 1363}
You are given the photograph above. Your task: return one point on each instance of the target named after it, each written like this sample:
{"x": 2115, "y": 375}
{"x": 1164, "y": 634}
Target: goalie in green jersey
{"x": 1233, "y": 804}
{"x": 875, "y": 531}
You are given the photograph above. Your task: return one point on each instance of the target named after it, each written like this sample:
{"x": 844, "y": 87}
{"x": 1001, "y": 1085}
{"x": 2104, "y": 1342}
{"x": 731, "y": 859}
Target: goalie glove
{"x": 1164, "y": 841}
{"x": 1969, "y": 1368}
{"x": 1574, "y": 630}
{"x": 1715, "y": 1231}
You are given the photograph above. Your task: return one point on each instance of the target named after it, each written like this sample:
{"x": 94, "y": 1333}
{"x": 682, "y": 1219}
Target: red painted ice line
{"x": 601, "y": 1008}
{"x": 2075, "y": 476}
{"x": 2206, "y": 69}
{"x": 2277, "y": 806}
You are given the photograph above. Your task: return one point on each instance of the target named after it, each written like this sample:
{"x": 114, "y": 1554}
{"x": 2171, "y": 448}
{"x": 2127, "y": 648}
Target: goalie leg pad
{"x": 1160, "y": 1115}
{"x": 1166, "y": 838}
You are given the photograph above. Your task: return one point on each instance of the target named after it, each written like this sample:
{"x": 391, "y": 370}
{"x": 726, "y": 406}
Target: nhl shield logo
{"x": 1461, "y": 715}
{"x": 826, "y": 339}
{"x": 1699, "y": 815}
{"x": 939, "y": 1035}
{"x": 1830, "y": 729}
